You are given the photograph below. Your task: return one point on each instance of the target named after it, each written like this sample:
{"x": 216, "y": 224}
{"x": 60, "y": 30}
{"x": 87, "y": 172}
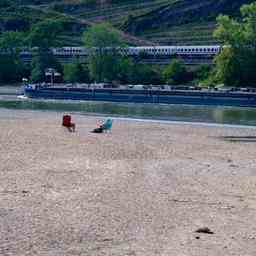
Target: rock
{"x": 204, "y": 230}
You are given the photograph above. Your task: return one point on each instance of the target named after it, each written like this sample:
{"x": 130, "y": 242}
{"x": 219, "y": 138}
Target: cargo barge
{"x": 191, "y": 97}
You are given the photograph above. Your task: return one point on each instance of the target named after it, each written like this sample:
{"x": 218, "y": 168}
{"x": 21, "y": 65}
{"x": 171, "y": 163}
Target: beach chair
{"x": 106, "y": 126}
{"x": 66, "y": 122}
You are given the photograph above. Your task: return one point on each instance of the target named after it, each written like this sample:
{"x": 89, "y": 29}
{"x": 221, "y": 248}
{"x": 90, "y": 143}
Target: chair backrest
{"x": 108, "y": 124}
{"x": 66, "y": 120}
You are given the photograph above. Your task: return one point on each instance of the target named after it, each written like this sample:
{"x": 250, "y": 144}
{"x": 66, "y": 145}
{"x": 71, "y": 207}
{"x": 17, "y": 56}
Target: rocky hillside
{"x": 158, "y": 22}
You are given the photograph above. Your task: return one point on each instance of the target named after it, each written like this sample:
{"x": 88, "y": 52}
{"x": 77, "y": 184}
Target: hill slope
{"x": 150, "y": 21}
{"x": 184, "y": 21}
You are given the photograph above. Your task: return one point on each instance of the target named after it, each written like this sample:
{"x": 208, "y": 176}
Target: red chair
{"x": 66, "y": 122}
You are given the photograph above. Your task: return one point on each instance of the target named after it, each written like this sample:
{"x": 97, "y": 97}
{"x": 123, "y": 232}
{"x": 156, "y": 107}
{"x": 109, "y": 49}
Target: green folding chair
{"x": 107, "y": 125}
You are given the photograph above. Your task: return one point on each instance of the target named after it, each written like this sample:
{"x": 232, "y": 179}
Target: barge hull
{"x": 143, "y": 96}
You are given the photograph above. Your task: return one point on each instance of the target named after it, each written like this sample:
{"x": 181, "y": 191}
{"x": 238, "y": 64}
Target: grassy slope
{"x": 183, "y": 21}
{"x": 159, "y": 21}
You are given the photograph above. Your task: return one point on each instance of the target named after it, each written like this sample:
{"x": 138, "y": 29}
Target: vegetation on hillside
{"x": 157, "y": 21}
{"x": 235, "y": 64}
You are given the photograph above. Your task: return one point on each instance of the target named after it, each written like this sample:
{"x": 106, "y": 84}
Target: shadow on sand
{"x": 238, "y": 138}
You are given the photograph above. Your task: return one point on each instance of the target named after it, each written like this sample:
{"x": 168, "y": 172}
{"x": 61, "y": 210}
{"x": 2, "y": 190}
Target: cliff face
{"x": 183, "y": 12}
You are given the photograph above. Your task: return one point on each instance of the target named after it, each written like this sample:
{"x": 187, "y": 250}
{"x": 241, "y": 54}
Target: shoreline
{"x": 131, "y": 119}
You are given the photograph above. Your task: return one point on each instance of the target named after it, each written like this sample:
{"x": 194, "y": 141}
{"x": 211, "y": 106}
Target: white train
{"x": 208, "y": 50}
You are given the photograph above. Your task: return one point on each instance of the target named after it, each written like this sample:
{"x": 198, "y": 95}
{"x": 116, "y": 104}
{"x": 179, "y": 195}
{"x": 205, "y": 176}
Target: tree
{"x": 12, "y": 42}
{"x": 76, "y": 72}
{"x": 228, "y": 68}
{"x": 203, "y": 72}
{"x": 175, "y": 72}
{"x": 145, "y": 74}
{"x": 103, "y": 40}
{"x": 101, "y": 36}
{"x": 11, "y": 67}
{"x": 9, "y": 70}
{"x": 125, "y": 70}
{"x": 201, "y": 75}
{"x": 44, "y": 34}
{"x": 236, "y": 63}
{"x": 42, "y": 60}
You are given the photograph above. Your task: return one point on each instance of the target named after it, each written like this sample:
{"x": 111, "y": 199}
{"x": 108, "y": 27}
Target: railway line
{"x": 191, "y": 55}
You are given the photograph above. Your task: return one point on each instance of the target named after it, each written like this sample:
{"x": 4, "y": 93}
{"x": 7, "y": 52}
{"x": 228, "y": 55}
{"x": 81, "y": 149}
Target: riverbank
{"x": 142, "y": 189}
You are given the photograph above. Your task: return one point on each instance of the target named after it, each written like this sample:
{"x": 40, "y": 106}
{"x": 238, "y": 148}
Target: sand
{"x": 143, "y": 189}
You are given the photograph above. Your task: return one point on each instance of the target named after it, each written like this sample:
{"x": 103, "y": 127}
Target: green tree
{"x": 145, "y": 74}
{"x": 9, "y": 70}
{"x": 228, "y": 68}
{"x": 101, "y": 36}
{"x": 76, "y": 72}
{"x": 103, "y": 40}
{"x": 236, "y": 63}
{"x": 175, "y": 72}
{"x": 11, "y": 67}
{"x": 44, "y": 34}
{"x": 203, "y": 72}
{"x": 12, "y": 42}
{"x": 42, "y": 60}
{"x": 125, "y": 70}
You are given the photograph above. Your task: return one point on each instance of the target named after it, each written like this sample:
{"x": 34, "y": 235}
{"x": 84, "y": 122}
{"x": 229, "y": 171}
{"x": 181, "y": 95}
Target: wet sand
{"x": 142, "y": 189}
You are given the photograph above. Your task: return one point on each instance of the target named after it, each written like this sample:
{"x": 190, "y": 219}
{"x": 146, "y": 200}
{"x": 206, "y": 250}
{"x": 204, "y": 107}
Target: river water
{"x": 186, "y": 113}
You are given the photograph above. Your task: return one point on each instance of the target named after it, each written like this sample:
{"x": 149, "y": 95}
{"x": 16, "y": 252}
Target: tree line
{"x": 234, "y": 66}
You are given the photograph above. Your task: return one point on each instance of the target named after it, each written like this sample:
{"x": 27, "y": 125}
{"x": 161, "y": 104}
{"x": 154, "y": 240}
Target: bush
{"x": 175, "y": 72}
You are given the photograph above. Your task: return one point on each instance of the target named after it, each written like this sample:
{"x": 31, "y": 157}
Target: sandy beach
{"x": 143, "y": 189}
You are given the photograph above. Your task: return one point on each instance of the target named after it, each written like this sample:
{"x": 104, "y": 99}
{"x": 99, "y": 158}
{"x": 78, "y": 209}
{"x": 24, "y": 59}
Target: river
{"x": 186, "y": 113}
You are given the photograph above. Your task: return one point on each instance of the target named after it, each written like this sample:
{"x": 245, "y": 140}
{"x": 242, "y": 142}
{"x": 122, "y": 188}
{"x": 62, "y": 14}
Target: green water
{"x": 206, "y": 114}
